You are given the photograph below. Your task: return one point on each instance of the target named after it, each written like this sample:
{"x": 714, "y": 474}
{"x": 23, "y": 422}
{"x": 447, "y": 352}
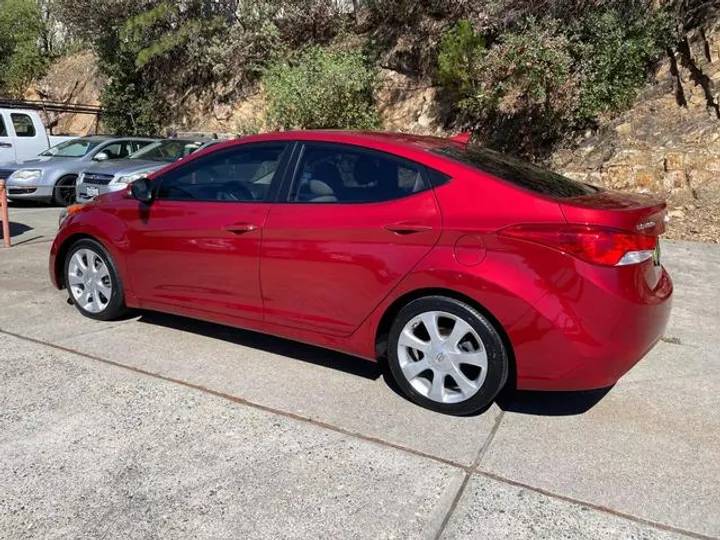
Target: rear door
{"x": 197, "y": 246}
{"x": 7, "y": 148}
{"x": 353, "y": 223}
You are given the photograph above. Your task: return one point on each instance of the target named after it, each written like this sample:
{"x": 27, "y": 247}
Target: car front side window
{"x": 238, "y": 174}
{"x": 343, "y": 174}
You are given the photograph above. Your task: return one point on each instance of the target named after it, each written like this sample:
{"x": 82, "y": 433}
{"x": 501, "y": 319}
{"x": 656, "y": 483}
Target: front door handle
{"x": 240, "y": 228}
{"x": 5, "y": 145}
{"x": 407, "y": 228}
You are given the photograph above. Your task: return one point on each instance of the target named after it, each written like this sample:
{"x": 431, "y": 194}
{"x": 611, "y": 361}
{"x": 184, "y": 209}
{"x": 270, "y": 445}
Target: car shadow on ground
{"x": 550, "y": 403}
{"x": 264, "y": 342}
{"x": 509, "y": 400}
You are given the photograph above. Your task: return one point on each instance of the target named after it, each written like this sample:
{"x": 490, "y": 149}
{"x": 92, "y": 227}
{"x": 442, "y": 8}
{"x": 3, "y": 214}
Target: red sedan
{"x": 460, "y": 265}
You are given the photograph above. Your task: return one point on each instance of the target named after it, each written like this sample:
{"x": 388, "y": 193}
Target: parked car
{"x": 464, "y": 267}
{"x": 52, "y": 175}
{"x": 107, "y": 177}
{"x": 23, "y": 136}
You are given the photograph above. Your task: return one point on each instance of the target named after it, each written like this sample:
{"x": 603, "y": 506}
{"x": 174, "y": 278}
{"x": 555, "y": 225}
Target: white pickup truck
{"x": 23, "y": 135}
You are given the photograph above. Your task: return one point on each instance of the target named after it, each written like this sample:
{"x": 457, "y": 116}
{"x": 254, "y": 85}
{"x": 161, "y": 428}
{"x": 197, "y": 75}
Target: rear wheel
{"x": 64, "y": 191}
{"x": 92, "y": 281}
{"x": 446, "y": 356}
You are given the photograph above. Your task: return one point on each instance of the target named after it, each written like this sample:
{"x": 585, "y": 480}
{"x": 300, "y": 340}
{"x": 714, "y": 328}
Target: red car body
{"x": 334, "y": 275}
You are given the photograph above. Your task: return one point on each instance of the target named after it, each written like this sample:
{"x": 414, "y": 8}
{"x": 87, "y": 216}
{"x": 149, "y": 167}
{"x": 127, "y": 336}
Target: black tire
{"x": 64, "y": 191}
{"x": 497, "y": 356}
{"x": 116, "y": 305}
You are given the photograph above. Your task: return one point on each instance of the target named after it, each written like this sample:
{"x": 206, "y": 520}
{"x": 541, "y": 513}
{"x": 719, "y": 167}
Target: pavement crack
{"x": 596, "y": 507}
{"x": 246, "y": 402}
{"x": 468, "y": 475}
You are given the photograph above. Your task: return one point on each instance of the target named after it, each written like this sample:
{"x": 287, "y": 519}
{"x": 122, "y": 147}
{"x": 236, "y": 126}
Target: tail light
{"x": 596, "y": 245}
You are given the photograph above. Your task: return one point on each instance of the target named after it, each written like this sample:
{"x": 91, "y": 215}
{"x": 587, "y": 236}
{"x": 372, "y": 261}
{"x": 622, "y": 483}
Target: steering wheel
{"x": 240, "y": 192}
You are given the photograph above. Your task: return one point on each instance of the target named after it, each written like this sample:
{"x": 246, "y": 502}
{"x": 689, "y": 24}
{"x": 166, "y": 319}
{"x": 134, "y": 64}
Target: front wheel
{"x": 64, "y": 191}
{"x": 93, "y": 282}
{"x": 446, "y": 356}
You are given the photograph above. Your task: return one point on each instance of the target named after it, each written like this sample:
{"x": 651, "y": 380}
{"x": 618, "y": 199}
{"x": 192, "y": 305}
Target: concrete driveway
{"x": 161, "y": 427}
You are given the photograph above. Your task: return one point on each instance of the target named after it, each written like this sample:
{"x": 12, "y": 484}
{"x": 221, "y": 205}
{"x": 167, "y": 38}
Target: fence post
{"x": 4, "y": 211}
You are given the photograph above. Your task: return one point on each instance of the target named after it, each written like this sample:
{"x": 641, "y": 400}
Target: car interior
{"x": 240, "y": 176}
{"x": 353, "y": 177}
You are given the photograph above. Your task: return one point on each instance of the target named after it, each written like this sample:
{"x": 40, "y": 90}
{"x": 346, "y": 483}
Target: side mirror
{"x": 101, "y": 156}
{"x": 141, "y": 189}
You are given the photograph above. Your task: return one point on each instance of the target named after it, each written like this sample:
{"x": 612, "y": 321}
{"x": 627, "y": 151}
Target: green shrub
{"x": 21, "y": 59}
{"x": 461, "y": 52}
{"x": 324, "y": 89}
{"x": 519, "y": 93}
{"x": 614, "y": 52}
{"x": 541, "y": 80}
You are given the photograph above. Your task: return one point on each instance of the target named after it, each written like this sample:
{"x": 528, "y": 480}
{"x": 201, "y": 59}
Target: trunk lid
{"x": 638, "y": 213}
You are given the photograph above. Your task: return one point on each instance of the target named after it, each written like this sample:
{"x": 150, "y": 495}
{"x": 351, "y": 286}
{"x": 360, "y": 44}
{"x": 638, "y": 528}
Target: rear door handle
{"x": 407, "y": 228}
{"x": 240, "y": 228}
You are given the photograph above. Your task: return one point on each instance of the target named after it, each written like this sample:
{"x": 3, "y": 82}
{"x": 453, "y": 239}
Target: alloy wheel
{"x": 89, "y": 281}
{"x": 442, "y": 357}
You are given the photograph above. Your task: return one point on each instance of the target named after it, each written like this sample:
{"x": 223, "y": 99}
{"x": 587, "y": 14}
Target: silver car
{"x": 51, "y": 177}
{"x": 115, "y": 175}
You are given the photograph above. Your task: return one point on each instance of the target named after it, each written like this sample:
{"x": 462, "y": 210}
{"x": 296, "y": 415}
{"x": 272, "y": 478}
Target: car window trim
{"x": 277, "y": 178}
{"x": 303, "y": 144}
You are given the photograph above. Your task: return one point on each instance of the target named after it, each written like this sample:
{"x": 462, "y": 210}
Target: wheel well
{"x": 65, "y": 177}
{"x": 62, "y": 255}
{"x": 388, "y": 317}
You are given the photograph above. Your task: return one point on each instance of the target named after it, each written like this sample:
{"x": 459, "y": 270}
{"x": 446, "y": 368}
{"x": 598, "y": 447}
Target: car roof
{"x": 407, "y": 140}
{"x": 104, "y": 138}
{"x": 399, "y": 143}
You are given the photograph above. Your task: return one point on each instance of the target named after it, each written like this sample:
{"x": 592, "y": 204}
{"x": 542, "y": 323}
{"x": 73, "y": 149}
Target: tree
{"x": 21, "y": 58}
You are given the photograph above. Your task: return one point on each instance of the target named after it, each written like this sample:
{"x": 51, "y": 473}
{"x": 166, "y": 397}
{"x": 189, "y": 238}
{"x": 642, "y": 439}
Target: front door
{"x": 197, "y": 245}
{"x": 355, "y": 222}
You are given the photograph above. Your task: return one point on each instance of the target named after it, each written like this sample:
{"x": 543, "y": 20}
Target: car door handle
{"x": 407, "y": 228}
{"x": 5, "y": 145}
{"x": 240, "y": 228}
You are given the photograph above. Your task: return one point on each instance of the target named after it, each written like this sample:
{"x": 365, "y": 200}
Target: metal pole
{"x": 4, "y": 212}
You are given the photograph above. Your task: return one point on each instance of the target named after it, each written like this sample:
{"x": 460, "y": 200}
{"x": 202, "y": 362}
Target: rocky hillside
{"x": 74, "y": 80}
{"x": 668, "y": 143}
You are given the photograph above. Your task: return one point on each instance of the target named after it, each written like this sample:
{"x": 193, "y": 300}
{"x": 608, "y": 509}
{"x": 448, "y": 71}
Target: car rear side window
{"x": 23, "y": 125}
{"x": 343, "y": 174}
{"x": 518, "y": 172}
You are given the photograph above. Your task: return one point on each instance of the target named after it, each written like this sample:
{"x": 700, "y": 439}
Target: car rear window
{"x": 517, "y": 172}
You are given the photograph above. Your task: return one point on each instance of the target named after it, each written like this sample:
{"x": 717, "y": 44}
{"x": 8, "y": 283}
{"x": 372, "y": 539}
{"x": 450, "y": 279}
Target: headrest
{"x": 320, "y": 189}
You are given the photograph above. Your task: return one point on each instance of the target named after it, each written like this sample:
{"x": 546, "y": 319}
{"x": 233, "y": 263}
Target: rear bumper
{"x": 590, "y": 336}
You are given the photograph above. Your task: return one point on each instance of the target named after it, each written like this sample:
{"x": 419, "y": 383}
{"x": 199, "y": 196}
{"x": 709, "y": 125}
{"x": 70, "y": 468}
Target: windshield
{"x": 71, "y": 149}
{"x": 517, "y": 172}
{"x": 169, "y": 151}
